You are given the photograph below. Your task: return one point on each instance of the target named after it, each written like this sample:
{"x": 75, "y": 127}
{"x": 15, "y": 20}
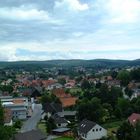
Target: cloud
{"x": 70, "y": 49}
{"x": 120, "y": 11}
{"x": 72, "y": 5}
{"x": 83, "y": 29}
{"x": 23, "y": 13}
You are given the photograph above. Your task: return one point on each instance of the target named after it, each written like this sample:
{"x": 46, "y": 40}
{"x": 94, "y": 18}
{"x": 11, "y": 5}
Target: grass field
{"x": 112, "y": 124}
{"x": 42, "y": 127}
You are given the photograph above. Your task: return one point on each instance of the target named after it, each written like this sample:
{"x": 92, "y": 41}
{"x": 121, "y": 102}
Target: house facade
{"x": 18, "y": 106}
{"x": 89, "y": 130}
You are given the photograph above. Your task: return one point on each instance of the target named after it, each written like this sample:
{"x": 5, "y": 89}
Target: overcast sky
{"x": 69, "y": 29}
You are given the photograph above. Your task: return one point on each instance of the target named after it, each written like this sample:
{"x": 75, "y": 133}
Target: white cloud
{"x": 78, "y": 34}
{"x": 68, "y": 49}
{"x": 23, "y": 13}
{"x": 72, "y": 5}
{"x": 122, "y": 11}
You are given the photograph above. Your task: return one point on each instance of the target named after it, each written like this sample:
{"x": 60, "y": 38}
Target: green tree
{"x": 137, "y": 131}
{"x": 92, "y": 109}
{"x": 124, "y": 105}
{"x": 7, "y": 88}
{"x": 7, "y": 132}
{"x": 125, "y": 131}
{"x": 124, "y": 76}
{"x": 1, "y": 114}
{"x": 62, "y": 81}
{"x": 128, "y": 92}
{"x": 18, "y": 124}
{"x": 85, "y": 84}
{"x": 50, "y": 125}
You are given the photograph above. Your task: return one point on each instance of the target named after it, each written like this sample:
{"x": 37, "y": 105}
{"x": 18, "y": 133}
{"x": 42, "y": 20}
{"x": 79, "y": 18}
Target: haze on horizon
{"x": 69, "y": 29}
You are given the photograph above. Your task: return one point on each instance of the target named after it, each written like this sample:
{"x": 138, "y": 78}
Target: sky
{"x": 69, "y": 29}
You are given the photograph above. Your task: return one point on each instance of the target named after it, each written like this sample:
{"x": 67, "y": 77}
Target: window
{"x": 93, "y": 130}
{"x": 100, "y": 129}
{"x": 96, "y": 129}
{"x": 59, "y": 124}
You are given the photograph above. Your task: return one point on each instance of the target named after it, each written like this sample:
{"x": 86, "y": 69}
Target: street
{"x": 31, "y": 123}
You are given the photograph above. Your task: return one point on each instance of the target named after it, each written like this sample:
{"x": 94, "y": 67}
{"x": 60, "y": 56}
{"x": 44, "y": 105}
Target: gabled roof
{"x": 67, "y": 102}
{"x": 57, "y": 107}
{"x": 134, "y": 118}
{"x": 47, "y": 83}
{"x": 85, "y": 126}
{"x": 58, "y": 120}
{"x": 35, "y": 93}
{"x": 30, "y": 135}
{"x": 52, "y": 107}
{"x": 60, "y": 93}
{"x": 66, "y": 113}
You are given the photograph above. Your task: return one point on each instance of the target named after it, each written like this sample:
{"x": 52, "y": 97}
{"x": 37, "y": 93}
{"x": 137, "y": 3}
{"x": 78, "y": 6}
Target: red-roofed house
{"x": 66, "y": 99}
{"x": 134, "y": 118}
{"x": 60, "y": 93}
{"x": 70, "y": 84}
{"x": 67, "y": 102}
{"x": 48, "y": 84}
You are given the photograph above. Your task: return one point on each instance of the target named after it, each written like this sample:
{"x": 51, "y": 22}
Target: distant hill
{"x": 96, "y": 63}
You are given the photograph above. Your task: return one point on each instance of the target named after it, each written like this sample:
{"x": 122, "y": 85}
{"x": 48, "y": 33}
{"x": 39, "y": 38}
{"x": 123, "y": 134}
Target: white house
{"x": 18, "y": 106}
{"x": 89, "y": 130}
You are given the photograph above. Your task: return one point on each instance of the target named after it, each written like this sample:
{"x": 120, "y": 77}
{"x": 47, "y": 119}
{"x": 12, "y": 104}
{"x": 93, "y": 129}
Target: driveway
{"x": 31, "y": 123}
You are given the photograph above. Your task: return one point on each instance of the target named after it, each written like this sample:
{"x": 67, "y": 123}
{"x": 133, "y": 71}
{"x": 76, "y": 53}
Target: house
{"x": 62, "y": 132}
{"x": 60, "y": 93}
{"x": 68, "y": 102}
{"x": 89, "y": 130}
{"x": 31, "y": 135}
{"x": 67, "y": 114}
{"x": 52, "y": 108}
{"x": 47, "y": 84}
{"x": 35, "y": 93}
{"x": 70, "y": 84}
{"x": 54, "y": 86}
{"x": 18, "y": 106}
{"x": 134, "y": 118}
{"x": 8, "y": 117}
{"x": 66, "y": 99}
{"x": 136, "y": 93}
{"x": 114, "y": 83}
{"x": 60, "y": 122}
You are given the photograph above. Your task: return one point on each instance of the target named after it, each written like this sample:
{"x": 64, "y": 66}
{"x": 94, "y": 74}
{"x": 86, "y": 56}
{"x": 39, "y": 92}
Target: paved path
{"x": 31, "y": 123}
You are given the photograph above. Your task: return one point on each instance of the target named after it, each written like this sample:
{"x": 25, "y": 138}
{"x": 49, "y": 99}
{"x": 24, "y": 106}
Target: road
{"x": 124, "y": 95}
{"x": 31, "y": 123}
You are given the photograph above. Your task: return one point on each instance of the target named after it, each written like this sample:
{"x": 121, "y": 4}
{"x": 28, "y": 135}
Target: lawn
{"x": 64, "y": 138}
{"x": 112, "y": 126}
{"x": 42, "y": 126}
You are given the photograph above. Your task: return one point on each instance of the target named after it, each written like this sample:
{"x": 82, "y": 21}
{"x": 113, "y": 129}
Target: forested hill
{"x": 96, "y": 63}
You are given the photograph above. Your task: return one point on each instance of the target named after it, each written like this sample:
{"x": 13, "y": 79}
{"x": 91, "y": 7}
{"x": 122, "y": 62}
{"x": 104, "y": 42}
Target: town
{"x": 73, "y": 103}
